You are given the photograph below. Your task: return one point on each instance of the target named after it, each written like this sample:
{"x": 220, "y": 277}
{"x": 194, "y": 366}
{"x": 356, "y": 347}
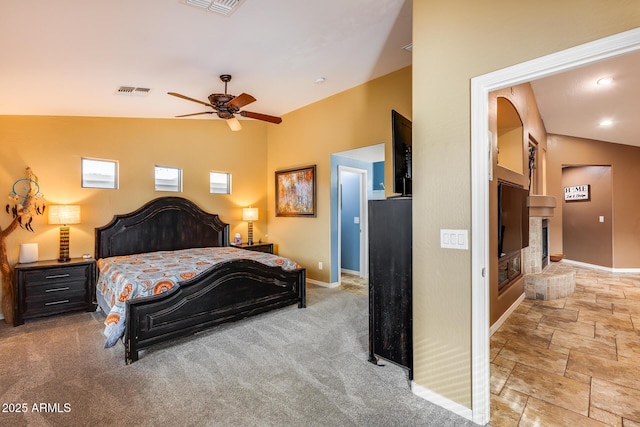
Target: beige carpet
{"x": 290, "y": 367}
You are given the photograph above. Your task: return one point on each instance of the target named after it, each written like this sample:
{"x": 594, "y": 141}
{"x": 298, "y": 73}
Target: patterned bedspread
{"x": 135, "y": 276}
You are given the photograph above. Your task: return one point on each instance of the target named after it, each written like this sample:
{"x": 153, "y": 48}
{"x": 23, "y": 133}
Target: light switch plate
{"x": 454, "y": 239}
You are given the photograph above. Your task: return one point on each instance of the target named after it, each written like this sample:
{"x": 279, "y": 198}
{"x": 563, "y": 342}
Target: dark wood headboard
{"x": 166, "y": 223}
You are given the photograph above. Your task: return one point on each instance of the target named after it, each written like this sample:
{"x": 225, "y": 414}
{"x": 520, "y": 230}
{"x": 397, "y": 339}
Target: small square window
{"x": 219, "y": 183}
{"x": 99, "y": 173}
{"x": 168, "y": 179}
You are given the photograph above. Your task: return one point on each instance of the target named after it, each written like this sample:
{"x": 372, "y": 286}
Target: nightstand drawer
{"x": 50, "y": 289}
{"x": 57, "y": 275}
{"x": 57, "y": 301}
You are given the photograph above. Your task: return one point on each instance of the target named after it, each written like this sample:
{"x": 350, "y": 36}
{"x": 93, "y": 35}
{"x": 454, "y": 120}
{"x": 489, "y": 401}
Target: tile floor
{"x": 354, "y": 284}
{"x": 574, "y": 361}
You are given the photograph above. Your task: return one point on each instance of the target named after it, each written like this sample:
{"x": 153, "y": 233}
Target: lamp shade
{"x": 64, "y": 214}
{"x": 249, "y": 214}
{"x": 28, "y": 253}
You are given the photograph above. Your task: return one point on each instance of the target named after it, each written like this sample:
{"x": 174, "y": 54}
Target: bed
{"x": 227, "y": 291}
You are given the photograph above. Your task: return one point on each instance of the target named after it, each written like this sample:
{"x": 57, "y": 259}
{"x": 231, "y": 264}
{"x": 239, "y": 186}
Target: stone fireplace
{"x": 536, "y": 257}
{"x": 541, "y": 280}
{"x": 533, "y": 258}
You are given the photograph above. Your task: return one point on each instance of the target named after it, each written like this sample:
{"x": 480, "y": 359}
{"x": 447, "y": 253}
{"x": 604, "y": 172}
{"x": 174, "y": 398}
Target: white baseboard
{"x": 441, "y": 401}
{"x": 600, "y": 267}
{"x": 351, "y": 272}
{"x": 505, "y": 315}
{"x": 323, "y": 284}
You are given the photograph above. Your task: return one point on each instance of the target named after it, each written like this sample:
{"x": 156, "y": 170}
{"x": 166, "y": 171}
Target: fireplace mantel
{"x": 541, "y": 205}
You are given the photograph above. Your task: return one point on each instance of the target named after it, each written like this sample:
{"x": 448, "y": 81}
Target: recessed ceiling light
{"x": 605, "y": 81}
{"x": 606, "y": 122}
{"x": 320, "y": 80}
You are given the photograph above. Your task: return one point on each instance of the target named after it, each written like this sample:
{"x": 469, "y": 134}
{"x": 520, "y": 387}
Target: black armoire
{"x": 390, "y": 277}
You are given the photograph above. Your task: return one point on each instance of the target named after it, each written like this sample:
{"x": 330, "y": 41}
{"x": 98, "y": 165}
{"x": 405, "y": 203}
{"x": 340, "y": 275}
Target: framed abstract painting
{"x": 296, "y": 192}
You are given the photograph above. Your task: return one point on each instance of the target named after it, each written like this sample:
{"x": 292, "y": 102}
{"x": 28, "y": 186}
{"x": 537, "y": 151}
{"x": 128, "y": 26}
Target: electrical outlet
{"x": 319, "y": 265}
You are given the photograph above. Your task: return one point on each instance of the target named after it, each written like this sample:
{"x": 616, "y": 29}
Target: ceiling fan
{"x": 225, "y": 106}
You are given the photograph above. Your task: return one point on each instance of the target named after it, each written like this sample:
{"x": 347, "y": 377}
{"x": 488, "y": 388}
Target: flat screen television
{"x": 401, "y": 145}
{"x": 513, "y": 218}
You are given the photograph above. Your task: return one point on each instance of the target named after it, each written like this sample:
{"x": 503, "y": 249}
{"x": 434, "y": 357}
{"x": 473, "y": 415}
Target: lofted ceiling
{"x": 69, "y": 57}
{"x": 572, "y": 103}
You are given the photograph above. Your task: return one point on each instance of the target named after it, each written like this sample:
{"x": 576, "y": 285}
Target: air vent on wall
{"x": 222, "y": 7}
{"x": 133, "y": 91}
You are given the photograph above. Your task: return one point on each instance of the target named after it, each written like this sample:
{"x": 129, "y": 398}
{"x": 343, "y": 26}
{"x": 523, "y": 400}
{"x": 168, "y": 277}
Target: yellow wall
{"x": 53, "y": 147}
{"x": 355, "y": 118}
{"x": 453, "y": 42}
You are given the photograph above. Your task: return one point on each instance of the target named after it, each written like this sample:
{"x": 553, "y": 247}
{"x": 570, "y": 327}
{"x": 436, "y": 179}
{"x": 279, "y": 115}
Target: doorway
{"x": 480, "y": 87}
{"x": 587, "y": 228}
{"x": 352, "y": 221}
{"x": 367, "y": 163}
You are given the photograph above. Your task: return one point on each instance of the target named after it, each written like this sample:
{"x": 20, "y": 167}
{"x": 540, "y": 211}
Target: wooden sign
{"x": 577, "y": 192}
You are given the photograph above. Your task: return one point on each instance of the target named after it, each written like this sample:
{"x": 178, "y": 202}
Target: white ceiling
{"x": 572, "y": 103}
{"x": 68, "y": 57}
{"x": 371, "y": 153}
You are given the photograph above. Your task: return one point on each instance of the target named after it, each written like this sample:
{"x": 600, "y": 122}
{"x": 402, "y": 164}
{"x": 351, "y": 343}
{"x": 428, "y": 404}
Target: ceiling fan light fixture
{"x": 234, "y": 124}
{"x": 225, "y": 106}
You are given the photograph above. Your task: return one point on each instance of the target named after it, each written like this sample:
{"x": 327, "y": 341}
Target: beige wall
{"x": 53, "y": 147}
{"x": 352, "y": 119}
{"x": 625, "y": 173}
{"x": 453, "y": 42}
{"x": 585, "y": 238}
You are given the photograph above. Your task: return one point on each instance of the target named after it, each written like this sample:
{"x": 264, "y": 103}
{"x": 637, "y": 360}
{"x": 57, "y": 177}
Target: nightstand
{"x": 45, "y": 288}
{"x": 258, "y": 247}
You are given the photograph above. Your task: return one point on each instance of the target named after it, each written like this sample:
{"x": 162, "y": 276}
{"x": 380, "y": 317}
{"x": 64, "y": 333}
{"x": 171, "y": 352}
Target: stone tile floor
{"x": 573, "y": 361}
{"x": 354, "y": 284}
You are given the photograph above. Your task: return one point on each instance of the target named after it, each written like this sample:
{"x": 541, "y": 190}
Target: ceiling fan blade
{"x": 195, "y": 114}
{"x": 234, "y": 124}
{"x": 258, "y": 116}
{"x": 190, "y": 99}
{"x": 241, "y": 100}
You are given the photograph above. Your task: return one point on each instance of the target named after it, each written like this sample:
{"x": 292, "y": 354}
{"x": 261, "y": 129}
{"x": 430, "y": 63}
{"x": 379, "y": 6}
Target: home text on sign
{"x": 577, "y": 192}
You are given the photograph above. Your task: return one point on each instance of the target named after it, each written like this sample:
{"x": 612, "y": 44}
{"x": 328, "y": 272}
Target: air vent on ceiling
{"x": 222, "y": 7}
{"x": 134, "y": 91}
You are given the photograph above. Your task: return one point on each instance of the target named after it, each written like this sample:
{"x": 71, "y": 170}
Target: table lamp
{"x": 64, "y": 215}
{"x": 250, "y": 215}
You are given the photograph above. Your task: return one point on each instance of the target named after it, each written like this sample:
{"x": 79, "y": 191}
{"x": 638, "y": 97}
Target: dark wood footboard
{"x": 230, "y": 291}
